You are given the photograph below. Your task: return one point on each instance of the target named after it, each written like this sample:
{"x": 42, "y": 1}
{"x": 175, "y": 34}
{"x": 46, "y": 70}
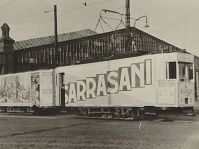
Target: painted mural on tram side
{"x": 35, "y": 88}
{"x": 14, "y": 89}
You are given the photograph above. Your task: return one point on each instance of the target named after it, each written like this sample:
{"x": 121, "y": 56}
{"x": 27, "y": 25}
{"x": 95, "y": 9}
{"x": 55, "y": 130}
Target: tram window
{"x": 171, "y": 70}
{"x": 182, "y": 72}
{"x": 190, "y": 69}
{"x": 185, "y": 71}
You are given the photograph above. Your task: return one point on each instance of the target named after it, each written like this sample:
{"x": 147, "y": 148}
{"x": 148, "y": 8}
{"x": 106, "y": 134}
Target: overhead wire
{"x": 32, "y": 24}
{"x": 58, "y": 15}
{"x": 91, "y": 4}
{"x": 182, "y": 37}
{"x": 8, "y": 3}
{"x": 107, "y": 23}
{"x": 99, "y": 2}
{"x": 131, "y": 4}
{"x": 148, "y": 12}
{"x": 101, "y": 26}
{"x": 87, "y": 4}
{"x": 92, "y": 18}
{"x": 177, "y": 24}
{"x": 100, "y": 18}
{"x": 111, "y": 18}
{"x": 71, "y": 10}
{"x": 184, "y": 23}
{"x": 98, "y": 21}
{"x": 81, "y": 23}
{"x": 46, "y": 19}
{"x": 190, "y": 20}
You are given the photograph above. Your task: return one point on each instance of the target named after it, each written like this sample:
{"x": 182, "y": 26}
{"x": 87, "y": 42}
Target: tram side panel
{"x": 141, "y": 81}
{"x": 116, "y": 83}
{"x": 47, "y": 89}
{"x": 165, "y": 88}
{"x": 175, "y": 88}
{"x": 186, "y": 88}
{"x": 15, "y": 90}
{"x": 27, "y": 89}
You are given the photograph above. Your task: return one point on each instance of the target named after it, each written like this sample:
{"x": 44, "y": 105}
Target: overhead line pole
{"x": 56, "y": 38}
{"x": 128, "y": 26}
{"x": 128, "y": 23}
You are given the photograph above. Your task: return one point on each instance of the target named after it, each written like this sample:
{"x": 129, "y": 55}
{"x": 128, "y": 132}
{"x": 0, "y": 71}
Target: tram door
{"x": 62, "y": 90}
{"x": 197, "y": 84}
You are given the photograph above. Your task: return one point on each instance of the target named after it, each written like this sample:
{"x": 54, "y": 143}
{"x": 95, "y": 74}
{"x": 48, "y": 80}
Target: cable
{"x": 107, "y": 23}
{"x": 70, "y": 11}
{"x": 80, "y": 23}
{"x": 86, "y": 4}
{"x": 101, "y": 26}
{"x": 98, "y": 21}
{"x": 58, "y": 15}
{"x": 32, "y": 24}
{"x": 131, "y": 4}
{"x": 8, "y": 4}
{"x": 103, "y": 17}
{"x": 112, "y": 18}
{"x": 181, "y": 37}
{"x": 118, "y": 25}
{"x": 98, "y": 2}
{"x": 45, "y": 20}
{"x": 174, "y": 25}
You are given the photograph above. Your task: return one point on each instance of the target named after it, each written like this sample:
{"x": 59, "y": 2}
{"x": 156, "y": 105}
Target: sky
{"x": 174, "y": 21}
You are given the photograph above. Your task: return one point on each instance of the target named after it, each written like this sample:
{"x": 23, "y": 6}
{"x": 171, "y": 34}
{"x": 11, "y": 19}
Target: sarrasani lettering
{"x": 112, "y": 82}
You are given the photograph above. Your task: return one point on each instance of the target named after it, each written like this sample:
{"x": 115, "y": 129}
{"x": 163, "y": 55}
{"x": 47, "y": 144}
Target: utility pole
{"x": 128, "y": 26}
{"x": 56, "y": 61}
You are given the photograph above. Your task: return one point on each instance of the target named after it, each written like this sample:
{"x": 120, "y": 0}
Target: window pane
{"x": 182, "y": 72}
{"x": 190, "y": 69}
{"x": 172, "y": 70}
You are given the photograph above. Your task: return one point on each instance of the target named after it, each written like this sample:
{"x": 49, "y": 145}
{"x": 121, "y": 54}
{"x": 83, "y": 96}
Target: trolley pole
{"x": 56, "y": 61}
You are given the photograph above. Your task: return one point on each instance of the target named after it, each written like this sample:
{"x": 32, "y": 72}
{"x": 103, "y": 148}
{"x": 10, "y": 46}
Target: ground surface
{"x": 66, "y": 132}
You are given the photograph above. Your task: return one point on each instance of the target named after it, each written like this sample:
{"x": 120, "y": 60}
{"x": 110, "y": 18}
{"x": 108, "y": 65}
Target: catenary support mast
{"x": 56, "y": 39}
{"x": 128, "y": 26}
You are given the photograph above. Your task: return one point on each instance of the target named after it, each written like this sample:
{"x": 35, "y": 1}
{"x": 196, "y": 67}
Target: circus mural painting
{"x": 15, "y": 89}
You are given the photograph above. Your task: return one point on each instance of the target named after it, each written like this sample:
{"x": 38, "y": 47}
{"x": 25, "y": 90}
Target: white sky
{"x": 174, "y": 21}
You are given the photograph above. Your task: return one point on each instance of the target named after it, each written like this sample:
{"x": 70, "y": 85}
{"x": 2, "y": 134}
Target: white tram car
{"x": 121, "y": 87}
{"x": 149, "y": 82}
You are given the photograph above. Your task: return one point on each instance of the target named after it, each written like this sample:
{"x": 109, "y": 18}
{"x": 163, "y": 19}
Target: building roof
{"x": 20, "y": 45}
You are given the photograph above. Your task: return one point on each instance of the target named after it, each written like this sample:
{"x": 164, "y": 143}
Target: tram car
{"x": 27, "y": 91}
{"x": 124, "y": 87}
